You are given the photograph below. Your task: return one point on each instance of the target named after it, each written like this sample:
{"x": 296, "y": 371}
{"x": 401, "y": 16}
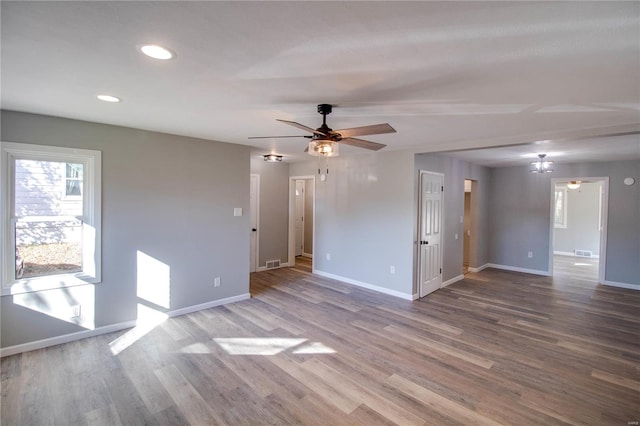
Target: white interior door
{"x": 254, "y": 193}
{"x": 299, "y": 217}
{"x": 430, "y": 232}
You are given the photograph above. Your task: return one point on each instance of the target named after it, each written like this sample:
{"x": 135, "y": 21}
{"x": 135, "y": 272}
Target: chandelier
{"x": 542, "y": 165}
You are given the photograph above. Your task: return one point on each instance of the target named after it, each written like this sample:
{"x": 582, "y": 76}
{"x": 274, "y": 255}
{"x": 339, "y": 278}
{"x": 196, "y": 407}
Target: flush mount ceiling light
{"x": 108, "y": 98}
{"x": 542, "y": 165}
{"x": 156, "y": 52}
{"x": 574, "y": 184}
{"x": 272, "y": 158}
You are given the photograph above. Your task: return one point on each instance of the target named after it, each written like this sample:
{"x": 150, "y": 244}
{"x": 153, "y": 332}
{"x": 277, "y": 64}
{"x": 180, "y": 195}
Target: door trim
{"x": 291, "y": 261}
{"x": 303, "y": 202}
{"x": 604, "y": 212}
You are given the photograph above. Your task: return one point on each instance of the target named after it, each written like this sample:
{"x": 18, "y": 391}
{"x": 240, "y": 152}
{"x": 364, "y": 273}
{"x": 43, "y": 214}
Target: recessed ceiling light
{"x": 156, "y": 52}
{"x": 108, "y": 98}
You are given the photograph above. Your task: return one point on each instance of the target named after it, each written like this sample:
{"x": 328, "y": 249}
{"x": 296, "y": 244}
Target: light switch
{"x": 237, "y": 211}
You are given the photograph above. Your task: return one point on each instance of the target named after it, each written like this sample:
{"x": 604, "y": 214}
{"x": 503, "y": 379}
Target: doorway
{"x": 470, "y": 223}
{"x": 254, "y": 214}
{"x": 301, "y": 221}
{"x": 429, "y": 232}
{"x": 578, "y": 230}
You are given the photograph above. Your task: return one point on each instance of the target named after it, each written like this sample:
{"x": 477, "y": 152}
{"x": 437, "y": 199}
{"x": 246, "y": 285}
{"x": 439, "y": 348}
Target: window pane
{"x": 559, "y": 211}
{"x": 48, "y": 236}
{"x": 47, "y": 247}
{"x": 73, "y": 187}
{"x": 74, "y": 170}
{"x": 41, "y": 188}
{"x": 73, "y": 184}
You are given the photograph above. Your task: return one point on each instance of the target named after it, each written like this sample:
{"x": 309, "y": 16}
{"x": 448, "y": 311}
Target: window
{"x": 73, "y": 180}
{"x": 560, "y": 207}
{"x": 49, "y": 238}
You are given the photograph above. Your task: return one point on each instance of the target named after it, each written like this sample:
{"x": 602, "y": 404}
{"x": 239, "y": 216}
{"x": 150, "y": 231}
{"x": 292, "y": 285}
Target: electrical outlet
{"x": 530, "y": 254}
{"x": 75, "y": 311}
{"x": 328, "y": 256}
{"x": 216, "y": 282}
{"x": 392, "y": 269}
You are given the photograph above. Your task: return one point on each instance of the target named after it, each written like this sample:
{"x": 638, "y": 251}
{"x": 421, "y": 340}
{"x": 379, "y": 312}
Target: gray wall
{"x": 455, "y": 172}
{"x": 167, "y": 196}
{"x": 274, "y": 210}
{"x": 520, "y": 217}
{"x": 365, "y": 218}
{"x": 583, "y": 214}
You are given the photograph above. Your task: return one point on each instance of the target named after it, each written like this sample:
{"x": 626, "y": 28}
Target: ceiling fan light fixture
{"x": 272, "y": 158}
{"x": 574, "y": 184}
{"x": 324, "y": 148}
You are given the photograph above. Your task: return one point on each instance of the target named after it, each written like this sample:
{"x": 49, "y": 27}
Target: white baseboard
{"x": 310, "y": 256}
{"x": 517, "y": 269}
{"x": 563, "y": 253}
{"x": 379, "y": 289}
{"x": 572, "y": 254}
{"x": 452, "y": 280}
{"x": 485, "y": 266}
{"x": 416, "y": 296}
{"x": 66, "y": 338}
{"x": 195, "y": 308}
{"x": 621, "y": 285}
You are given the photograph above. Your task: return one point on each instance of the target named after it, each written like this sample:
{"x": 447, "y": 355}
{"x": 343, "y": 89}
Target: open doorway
{"x": 301, "y": 222}
{"x": 470, "y": 223}
{"x": 254, "y": 213}
{"x": 579, "y": 230}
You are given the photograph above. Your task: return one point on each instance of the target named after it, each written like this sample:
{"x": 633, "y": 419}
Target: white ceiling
{"x": 445, "y": 75}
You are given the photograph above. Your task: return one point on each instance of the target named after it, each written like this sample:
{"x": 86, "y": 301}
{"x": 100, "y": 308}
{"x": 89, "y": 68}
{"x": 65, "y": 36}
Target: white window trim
{"x": 92, "y": 241}
{"x": 564, "y": 191}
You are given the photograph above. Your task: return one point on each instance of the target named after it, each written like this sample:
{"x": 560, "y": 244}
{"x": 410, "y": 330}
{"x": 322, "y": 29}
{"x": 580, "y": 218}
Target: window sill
{"x": 52, "y": 282}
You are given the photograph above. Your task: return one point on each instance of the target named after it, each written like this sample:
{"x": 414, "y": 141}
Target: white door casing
{"x": 299, "y": 217}
{"x": 430, "y": 230}
{"x": 254, "y": 211}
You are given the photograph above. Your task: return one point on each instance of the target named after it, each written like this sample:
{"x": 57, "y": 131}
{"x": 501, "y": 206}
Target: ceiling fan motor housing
{"x": 324, "y": 109}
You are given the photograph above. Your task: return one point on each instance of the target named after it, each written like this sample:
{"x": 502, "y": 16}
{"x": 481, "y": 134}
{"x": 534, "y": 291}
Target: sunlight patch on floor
{"x": 270, "y": 345}
{"x": 148, "y": 319}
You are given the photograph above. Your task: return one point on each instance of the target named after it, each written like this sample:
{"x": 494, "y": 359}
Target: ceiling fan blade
{"x": 360, "y": 143}
{"x": 272, "y": 137}
{"x": 375, "y": 129}
{"x": 301, "y": 126}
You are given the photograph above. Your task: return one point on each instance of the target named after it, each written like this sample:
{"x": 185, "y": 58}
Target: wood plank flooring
{"x": 496, "y": 348}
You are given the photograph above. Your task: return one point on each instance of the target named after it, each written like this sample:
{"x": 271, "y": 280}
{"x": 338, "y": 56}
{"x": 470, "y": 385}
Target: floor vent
{"x": 583, "y": 253}
{"x": 272, "y": 264}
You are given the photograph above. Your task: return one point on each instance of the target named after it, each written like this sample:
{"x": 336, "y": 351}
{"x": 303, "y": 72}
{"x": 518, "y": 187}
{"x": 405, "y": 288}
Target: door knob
{"x": 254, "y": 229}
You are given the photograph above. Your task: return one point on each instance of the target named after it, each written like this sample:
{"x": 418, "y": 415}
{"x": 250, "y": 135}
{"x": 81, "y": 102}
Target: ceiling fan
{"x": 324, "y": 140}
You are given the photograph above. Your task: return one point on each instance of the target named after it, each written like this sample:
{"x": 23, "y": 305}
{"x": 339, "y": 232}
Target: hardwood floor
{"x": 578, "y": 270}
{"x": 496, "y": 348}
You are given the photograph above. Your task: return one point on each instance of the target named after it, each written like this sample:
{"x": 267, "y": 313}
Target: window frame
{"x": 563, "y": 224}
{"x": 91, "y": 272}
